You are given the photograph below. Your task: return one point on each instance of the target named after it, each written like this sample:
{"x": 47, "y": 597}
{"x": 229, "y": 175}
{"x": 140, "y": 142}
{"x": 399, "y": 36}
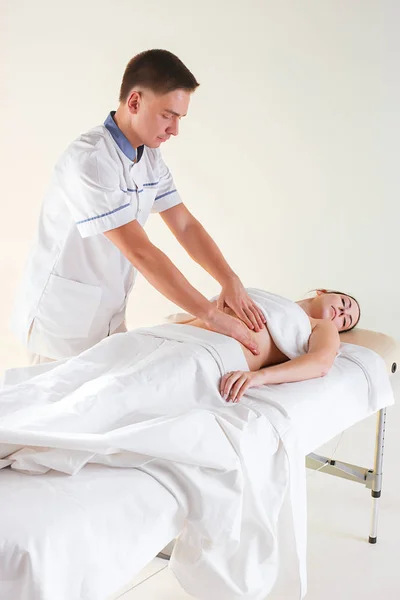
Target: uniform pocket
{"x": 68, "y": 308}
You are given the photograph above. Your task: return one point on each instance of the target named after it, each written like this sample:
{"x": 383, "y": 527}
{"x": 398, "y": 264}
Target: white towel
{"x": 288, "y": 324}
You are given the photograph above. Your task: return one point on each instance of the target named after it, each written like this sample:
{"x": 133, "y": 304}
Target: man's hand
{"x": 233, "y": 385}
{"x": 228, "y": 325}
{"x": 234, "y": 295}
{"x": 202, "y": 248}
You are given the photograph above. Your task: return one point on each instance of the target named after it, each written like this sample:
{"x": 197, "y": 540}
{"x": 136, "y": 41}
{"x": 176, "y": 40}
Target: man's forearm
{"x": 162, "y": 274}
{"x": 201, "y": 247}
{"x": 307, "y": 366}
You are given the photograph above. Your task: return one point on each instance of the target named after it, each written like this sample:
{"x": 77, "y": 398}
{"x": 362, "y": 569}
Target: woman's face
{"x": 342, "y": 310}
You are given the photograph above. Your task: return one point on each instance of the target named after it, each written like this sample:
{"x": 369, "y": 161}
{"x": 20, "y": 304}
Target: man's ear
{"x": 321, "y": 291}
{"x": 134, "y": 101}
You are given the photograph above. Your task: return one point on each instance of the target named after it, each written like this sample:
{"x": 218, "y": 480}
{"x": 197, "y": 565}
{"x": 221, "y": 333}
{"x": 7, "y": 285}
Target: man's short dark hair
{"x": 157, "y": 70}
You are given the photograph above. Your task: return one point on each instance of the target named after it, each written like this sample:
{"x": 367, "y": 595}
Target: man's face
{"x": 156, "y": 117}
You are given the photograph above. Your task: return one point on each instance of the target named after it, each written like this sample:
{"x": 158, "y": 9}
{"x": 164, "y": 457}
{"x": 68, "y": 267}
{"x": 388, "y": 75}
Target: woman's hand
{"x": 234, "y": 384}
{"x": 234, "y": 295}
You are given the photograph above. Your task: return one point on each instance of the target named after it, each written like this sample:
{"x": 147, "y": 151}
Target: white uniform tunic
{"x": 76, "y": 283}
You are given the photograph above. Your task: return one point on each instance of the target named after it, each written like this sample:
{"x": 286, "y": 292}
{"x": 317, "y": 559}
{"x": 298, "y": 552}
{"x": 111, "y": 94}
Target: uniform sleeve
{"x": 167, "y": 195}
{"x": 93, "y": 194}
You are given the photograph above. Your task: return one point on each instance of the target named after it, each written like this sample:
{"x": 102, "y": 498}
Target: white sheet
{"x": 84, "y": 414}
{"x": 128, "y": 516}
{"x": 213, "y": 465}
{"x": 81, "y": 537}
{"x": 356, "y": 387}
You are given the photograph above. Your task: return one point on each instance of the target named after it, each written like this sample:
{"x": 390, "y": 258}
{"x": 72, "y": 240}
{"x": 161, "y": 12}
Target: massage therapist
{"x": 91, "y": 239}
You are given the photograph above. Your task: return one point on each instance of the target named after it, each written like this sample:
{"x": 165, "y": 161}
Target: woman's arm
{"x": 323, "y": 347}
{"x": 322, "y": 350}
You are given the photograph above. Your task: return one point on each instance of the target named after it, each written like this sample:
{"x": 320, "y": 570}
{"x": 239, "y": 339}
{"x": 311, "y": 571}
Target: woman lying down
{"x": 160, "y": 372}
{"x": 151, "y": 399}
{"x": 328, "y": 312}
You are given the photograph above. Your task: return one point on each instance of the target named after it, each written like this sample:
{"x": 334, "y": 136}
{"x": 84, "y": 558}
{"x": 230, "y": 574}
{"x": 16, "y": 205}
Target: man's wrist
{"x": 228, "y": 278}
{"x": 209, "y": 313}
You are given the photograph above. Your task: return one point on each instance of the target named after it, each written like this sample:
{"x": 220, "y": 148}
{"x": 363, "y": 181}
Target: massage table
{"x": 386, "y": 347}
{"x": 86, "y": 536}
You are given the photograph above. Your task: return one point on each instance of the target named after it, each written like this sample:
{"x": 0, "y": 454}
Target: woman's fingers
{"x": 228, "y": 381}
{"x": 222, "y": 383}
{"x": 245, "y": 385}
{"x": 236, "y": 387}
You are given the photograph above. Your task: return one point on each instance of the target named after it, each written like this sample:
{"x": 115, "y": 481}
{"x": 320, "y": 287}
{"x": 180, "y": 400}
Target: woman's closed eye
{"x": 344, "y": 303}
{"x": 344, "y": 318}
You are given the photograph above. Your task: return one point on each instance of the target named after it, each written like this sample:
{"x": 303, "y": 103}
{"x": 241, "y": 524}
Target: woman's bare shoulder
{"x": 314, "y": 322}
{"x": 324, "y": 322}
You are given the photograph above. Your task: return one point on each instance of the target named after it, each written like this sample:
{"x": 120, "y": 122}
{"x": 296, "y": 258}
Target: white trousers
{"x": 37, "y": 359}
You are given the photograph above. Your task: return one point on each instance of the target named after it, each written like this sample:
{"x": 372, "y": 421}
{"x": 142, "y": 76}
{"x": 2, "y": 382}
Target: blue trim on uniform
{"x": 129, "y": 190}
{"x": 163, "y": 195}
{"x": 122, "y": 142}
{"x": 103, "y": 215}
{"x": 148, "y": 184}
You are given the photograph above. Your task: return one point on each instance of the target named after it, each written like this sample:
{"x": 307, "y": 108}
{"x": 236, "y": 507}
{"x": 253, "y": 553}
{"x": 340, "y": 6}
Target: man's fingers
{"x": 250, "y": 315}
{"x": 220, "y": 303}
{"x": 259, "y": 316}
{"x": 245, "y": 317}
{"x": 237, "y": 329}
{"x": 255, "y": 318}
{"x": 250, "y": 344}
{"x": 262, "y": 316}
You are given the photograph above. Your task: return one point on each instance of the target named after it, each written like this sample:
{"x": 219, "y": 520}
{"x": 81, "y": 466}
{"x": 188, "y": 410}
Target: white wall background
{"x": 288, "y": 155}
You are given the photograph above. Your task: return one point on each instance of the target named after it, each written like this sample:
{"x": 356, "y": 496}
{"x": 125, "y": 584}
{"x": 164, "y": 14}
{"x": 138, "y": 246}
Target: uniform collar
{"x": 122, "y": 142}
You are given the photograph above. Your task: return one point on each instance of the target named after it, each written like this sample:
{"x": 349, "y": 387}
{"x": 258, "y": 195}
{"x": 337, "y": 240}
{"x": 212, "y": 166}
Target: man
{"x": 91, "y": 239}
